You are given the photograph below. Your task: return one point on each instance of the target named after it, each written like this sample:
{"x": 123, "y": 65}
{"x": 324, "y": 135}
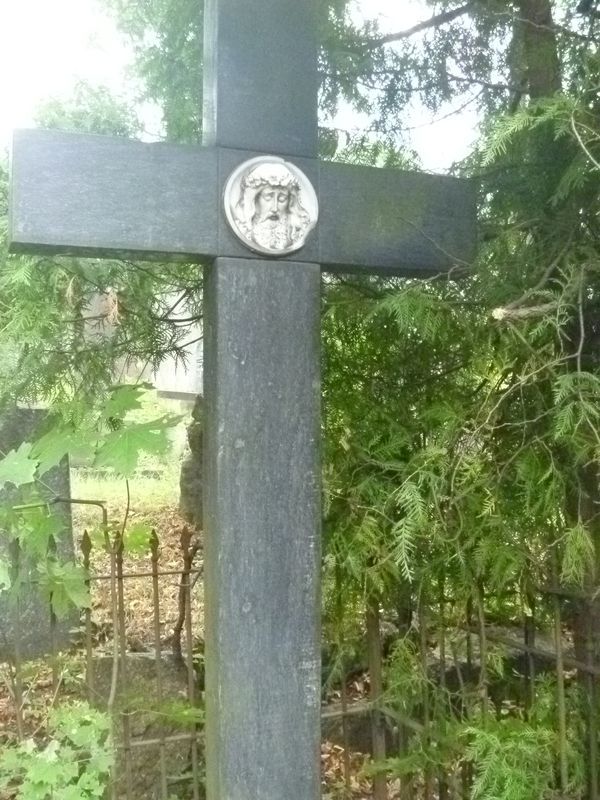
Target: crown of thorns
{"x": 271, "y": 175}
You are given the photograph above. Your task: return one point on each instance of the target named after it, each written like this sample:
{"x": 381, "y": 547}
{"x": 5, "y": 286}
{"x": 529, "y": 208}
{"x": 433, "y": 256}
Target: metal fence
{"x": 459, "y": 666}
{"x": 468, "y": 671}
{"x": 151, "y": 684}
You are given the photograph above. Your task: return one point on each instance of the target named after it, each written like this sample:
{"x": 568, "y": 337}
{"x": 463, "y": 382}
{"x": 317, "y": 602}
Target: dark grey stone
{"x": 262, "y": 521}
{"x": 260, "y": 76}
{"x": 100, "y": 196}
{"x": 28, "y": 622}
{"x": 394, "y": 222}
{"x": 357, "y": 730}
{"x": 262, "y": 393}
{"x": 89, "y": 195}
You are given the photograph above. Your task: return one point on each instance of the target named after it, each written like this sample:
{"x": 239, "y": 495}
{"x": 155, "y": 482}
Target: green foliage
{"x": 406, "y": 681}
{"x": 72, "y": 763}
{"x": 121, "y": 448}
{"x": 70, "y": 326}
{"x": 108, "y": 437}
{"x": 502, "y": 754}
{"x": 413, "y": 518}
{"x": 461, "y": 424}
{"x": 98, "y": 435}
{"x": 578, "y": 554}
{"x": 37, "y": 530}
{"x": 65, "y": 585}
{"x": 90, "y": 109}
{"x": 167, "y": 39}
{"x": 137, "y": 538}
{"x": 17, "y": 467}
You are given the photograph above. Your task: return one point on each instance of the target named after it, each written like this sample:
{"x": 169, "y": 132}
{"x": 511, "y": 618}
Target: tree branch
{"x": 432, "y": 22}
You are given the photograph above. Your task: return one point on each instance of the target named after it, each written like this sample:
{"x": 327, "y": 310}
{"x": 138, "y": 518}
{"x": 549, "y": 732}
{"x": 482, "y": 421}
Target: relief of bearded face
{"x": 264, "y": 203}
{"x": 271, "y": 222}
{"x": 272, "y": 203}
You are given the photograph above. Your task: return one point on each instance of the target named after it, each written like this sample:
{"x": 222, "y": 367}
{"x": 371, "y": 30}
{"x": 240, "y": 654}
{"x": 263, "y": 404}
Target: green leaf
{"x": 137, "y": 538}
{"x": 122, "y": 448}
{"x": 17, "y": 467}
{"x": 578, "y": 556}
{"x": 36, "y": 528}
{"x": 124, "y": 398}
{"x": 65, "y": 584}
{"x": 60, "y": 441}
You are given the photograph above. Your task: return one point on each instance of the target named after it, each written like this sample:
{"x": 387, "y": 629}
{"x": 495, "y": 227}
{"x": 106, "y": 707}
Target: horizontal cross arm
{"x": 80, "y": 194}
{"x": 392, "y": 222}
{"x": 100, "y": 196}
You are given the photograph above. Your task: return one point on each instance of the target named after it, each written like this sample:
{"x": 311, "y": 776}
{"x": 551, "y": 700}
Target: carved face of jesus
{"x": 271, "y": 219}
{"x": 272, "y": 203}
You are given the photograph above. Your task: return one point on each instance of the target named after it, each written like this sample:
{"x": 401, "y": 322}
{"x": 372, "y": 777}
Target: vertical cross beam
{"x": 262, "y": 510}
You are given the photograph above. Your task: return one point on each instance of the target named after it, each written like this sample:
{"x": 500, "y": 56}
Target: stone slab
{"x": 260, "y": 76}
{"x": 29, "y": 623}
{"x": 393, "y": 222}
{"x": 262, "y": 522}
{"x": 84, "y": 195}
{"x": 94, "y": 195}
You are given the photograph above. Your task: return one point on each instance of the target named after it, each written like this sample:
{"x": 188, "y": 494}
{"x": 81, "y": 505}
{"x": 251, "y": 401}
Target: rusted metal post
{"x": 86, "y": 551}
{"x": 188, "y": 558}
{"x": 158, "y": 659}
{"x": 376, "y": 692}
{"x": 122, "y": 640}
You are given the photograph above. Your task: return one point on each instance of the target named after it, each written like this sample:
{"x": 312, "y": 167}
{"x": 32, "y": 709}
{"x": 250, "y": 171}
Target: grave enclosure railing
{"x": 472, "y": 669}
{"x": 152, "y": 683}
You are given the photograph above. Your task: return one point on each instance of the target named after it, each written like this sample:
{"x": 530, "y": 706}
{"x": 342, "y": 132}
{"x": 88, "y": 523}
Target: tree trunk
{"x": 190, "y": 479}
{"x": 539, "y": 49}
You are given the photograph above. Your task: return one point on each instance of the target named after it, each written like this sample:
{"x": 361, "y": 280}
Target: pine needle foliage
{"x": 501, "y": 752}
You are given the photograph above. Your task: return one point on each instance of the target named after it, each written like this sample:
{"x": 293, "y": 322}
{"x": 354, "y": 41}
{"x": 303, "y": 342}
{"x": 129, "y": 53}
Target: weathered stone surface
{"x": 28, "y": 622}
{"x": 81, "y": 192}
{"x": 260, "y": 76}
{"x": 262, "y": 525}
{"x": 73, "y": 194}
{"x": 149, "y": 717}
{"x": 357, "y": 731}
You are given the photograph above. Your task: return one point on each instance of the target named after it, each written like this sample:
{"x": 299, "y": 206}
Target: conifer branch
{"x": 524, "y": 312}
{"x": 432, "y": 22}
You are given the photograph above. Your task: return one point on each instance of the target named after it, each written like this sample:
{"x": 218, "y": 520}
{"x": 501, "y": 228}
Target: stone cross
{"x": 264, "y": 228}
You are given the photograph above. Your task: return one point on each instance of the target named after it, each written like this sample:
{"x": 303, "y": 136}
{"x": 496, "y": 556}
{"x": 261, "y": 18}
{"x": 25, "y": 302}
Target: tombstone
{"x": 177, "y": 378}
{"x": 255, "y": 205}
{"x": 181, "y": 380}
{"x": 28, "y": 625}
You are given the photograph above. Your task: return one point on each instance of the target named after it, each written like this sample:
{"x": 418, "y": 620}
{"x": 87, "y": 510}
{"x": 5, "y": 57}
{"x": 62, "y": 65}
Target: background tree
{"x": 72, "y": 326}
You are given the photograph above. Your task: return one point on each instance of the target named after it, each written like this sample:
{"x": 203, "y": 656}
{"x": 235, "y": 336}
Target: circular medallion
{"x": 270, "y": 205}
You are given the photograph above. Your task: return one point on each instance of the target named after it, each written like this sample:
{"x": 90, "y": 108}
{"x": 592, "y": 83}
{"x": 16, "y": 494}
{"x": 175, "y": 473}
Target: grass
{"x": 152, "y": 490}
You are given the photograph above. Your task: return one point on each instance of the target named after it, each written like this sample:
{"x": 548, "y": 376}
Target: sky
{"x": 48, "y": 45}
